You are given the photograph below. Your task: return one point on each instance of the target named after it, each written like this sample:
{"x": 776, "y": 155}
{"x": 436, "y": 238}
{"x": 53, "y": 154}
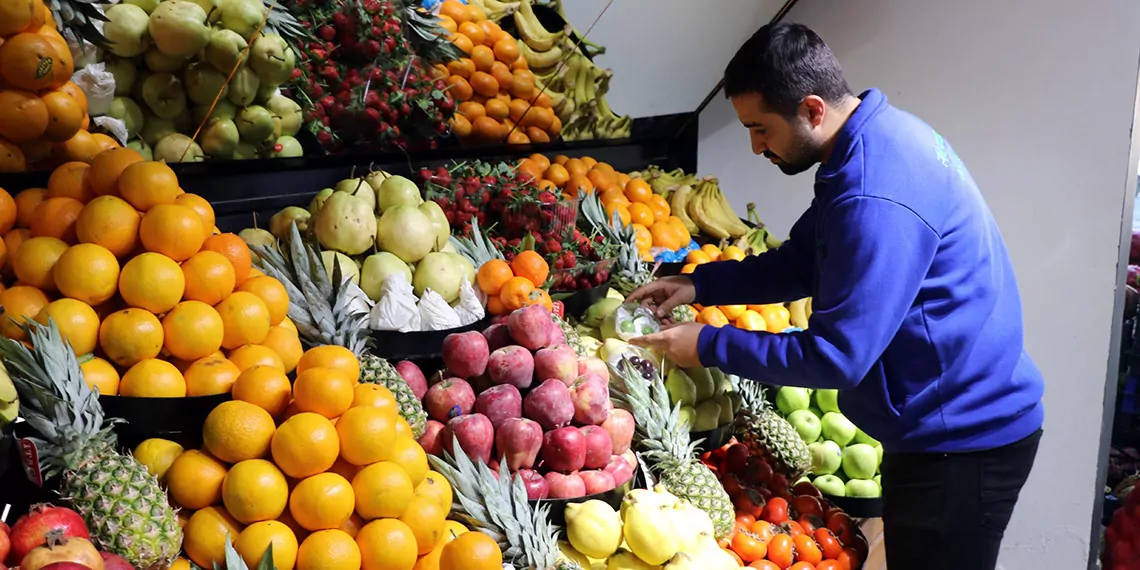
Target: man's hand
{"x": 665, "y": 293}
{"x": 677, "y": 343}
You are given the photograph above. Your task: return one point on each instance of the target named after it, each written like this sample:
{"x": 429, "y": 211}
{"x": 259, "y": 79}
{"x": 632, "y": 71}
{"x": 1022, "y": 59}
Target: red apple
{"x": 519, "y": 440}
{"x": 591, "y": 397}
{"x": 620, "y": 469}
{"x": 549, "y": 404}
{"x": 597, "y": 481}
{"x": 620, "y": 426}
{"x": 599, "y": 448}
{"x": 569, "y": 486}
{"x": 413, "y": 376}
{"x": 564, "y": 449}
{"x": 512, "y": 365}
{"x": 432, "y": 438}
{"x": 65, "y": 566}
{"x": 499, "y": 403}
{"x": 115, "y": 562}
{"x": 595, "y": 365}
{"x": 530, "y": 326}
{"x": 475, "y": 433}
{"x": 535, "y": 483}
{"x": 465, "y": 354}
{"x": 559, "y": 362}
{"x": 498, "y": 336}
{"x": 451, "y": 398}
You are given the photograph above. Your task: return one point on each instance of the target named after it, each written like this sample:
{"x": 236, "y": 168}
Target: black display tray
{"x": 575, "y": 304}
{"x": 859, "y": 507}
{"x": 713, "y": 439}
{"x": 613, "y": 498}
{"x": 419, "y": 345}
{"x": 177, "y": 419}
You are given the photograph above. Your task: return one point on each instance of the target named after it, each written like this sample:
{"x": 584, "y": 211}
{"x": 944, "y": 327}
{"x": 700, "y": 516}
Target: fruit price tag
{"x": 30, "y": 457}
{"x": 558, "y": 309}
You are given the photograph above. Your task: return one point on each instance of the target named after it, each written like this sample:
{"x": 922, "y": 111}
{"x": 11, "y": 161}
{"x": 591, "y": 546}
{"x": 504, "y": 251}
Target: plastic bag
{"x": 470, "y": 308}
{"x": 99, "y": 86}
{"x": 358, "y": 301}
{"x": 116, "y": 127}
{"x": 84, "y": 53}
{"x": 396, "y": 310}
{"x": 436, "y": 314}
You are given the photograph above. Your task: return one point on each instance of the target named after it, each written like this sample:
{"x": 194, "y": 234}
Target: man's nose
{"x": 759, "y": 145}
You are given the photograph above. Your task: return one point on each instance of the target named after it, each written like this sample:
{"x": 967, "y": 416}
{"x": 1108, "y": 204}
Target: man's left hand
{"x": 678, "y": 343}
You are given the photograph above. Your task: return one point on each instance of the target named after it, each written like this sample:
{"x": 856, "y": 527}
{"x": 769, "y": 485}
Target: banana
{"x": 797, "y": 311}
{"x": 497, "y": 10}
{"x": 696, "y": 210}
{"x": 531, "y": 30}
{"x": 710, "y": 193}
{"x": 592, "y": 49}
{"x": 731, "y": 220}
{"x": 540, "y": 59}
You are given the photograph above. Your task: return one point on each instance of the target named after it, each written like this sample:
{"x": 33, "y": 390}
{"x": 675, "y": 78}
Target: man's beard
{"x": 805, "y": 154}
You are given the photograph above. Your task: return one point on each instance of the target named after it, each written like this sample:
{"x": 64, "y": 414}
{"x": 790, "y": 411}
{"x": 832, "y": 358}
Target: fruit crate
{"x": 583, "y": 276}
{"x": 554, "y": 220}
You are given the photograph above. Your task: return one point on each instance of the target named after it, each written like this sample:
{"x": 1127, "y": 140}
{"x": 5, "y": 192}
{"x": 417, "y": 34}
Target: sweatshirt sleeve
{"x": 878, "y": 253}
{"x": 778, "y": 275}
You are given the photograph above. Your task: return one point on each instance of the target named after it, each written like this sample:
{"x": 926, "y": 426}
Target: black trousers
{"x": 950, "y": 510}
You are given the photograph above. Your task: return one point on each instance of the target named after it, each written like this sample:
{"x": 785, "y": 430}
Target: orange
{"x": 210, "y": 375}
{"x": 697, "y": 257}
{"x": 330, "y": 356}
{"x": 497, "y": 109}
{"x": 473, "y": 31}
{"x": 644, "y": 239}
{"x": 455, "y": 10}
{"x": 172, "y": 230}
{"x": 246, "y": 319}
{"x": 265, "y": 387}
{"x": 56, "y": 217}
{"x": 621, "y": 210}
{"x": 153, "y": 282}
{"x": 323, "y": 391}
{"x": 540, "y": 159}
{"x": 198, "y": 204}
{"x": 578, "y": 184}
{"x": 367, "y": 433}
{"x": 374, "y": 395}
{"x": 641, "y": 214}
{"x": 87, "y": 272}
{"x": 106, "y": 142}
{"x": 195, "y": 479}
{"x": 192, "y": 330}
{"x": 78, "y": 324}
{"x": 82, "y": 147}
{"x": 15, "y": 16}
{"x": 258, "y": 537}
{"x": 23, "y": 116}
{"x": 383, "y": 490}
{"x": 665, "y": 235}
{"x": 776, "y": 317}
{"x": 130, "y": 336}
{"x": 71, "y": 180}
{"x": 35, "y": 260}
{"x": 410, "y": 457}
{"x": 733, "y": 312}
{"x": 531, "y": 265}
{"x": 286, "y": 344}
{"x": 660, "y": 207}
{"x": 148, "y": 184}
{"x": 26, "y": 202}
{"x": 205, "y": 536}
{"x": 251, "y": 355}
{"x": 66, "y": 116}
{"x": 153, "y": 378}
{"x": 272, "y": 292}
{"x": 712, "y": 316}
{"x": 436, "y": 486}
{"x": 100, "y": 375}
{"x": 515, "y": 292}
{"x": 235, "y": 250}
{"x": 712, "y": 251}
{"x": 328, "y": 550}
{"x": 12, "y": 159}
{"x": 236, "y": 431}
{"x": 323, "y": 501}
{"x": 557, "y": 174}
{"x": 484, "y": 83}
{"x": 506, "y": 50}
{"x": 387, "y": 544}
{"x": 483, "y": 57}
{"x": 463, "y": 42}
{"x": 304, "y": 445}
{"x": 750, "y": 320}
{"x": 20, "y": 303}
{"x": 111, "y": 222}
{"x": 471, "y": 551}
{"x": 209, "y": 277}
{"x": 492, "y": 275}
{"x": 26, "y": 61}
{"x": 426, "y": 518}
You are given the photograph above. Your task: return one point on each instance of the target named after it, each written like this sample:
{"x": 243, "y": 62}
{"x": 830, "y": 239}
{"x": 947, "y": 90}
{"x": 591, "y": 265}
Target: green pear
{"x": 203, "y": 83}
{"x": 164, "y": 95}
{"x": 225, "y": 50}
{"x": 126, "y": 110}
{"x": 219, "y": 138}
{"x": 125, "y": 73}
{"x": 178, "y": 28}
{"x": 681, "y": 388}
{"x": 126, "y": 29}
{"x": 178, "y": 148}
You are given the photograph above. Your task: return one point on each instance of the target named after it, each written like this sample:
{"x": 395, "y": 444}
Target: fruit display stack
{"x": 845, "y": 461}
{"x": 43, "y": 115}
{"x": 154, "y": 301}
{"x": 519, "y": 395}
{"x": 1119, "y": 548}
{"x": 194, "y": 83}
{"x": 49, "y": 536}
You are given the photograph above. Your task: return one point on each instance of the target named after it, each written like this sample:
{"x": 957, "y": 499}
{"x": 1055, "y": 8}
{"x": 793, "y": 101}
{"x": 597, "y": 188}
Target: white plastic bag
{"x": 84, "y": 53}
{"x": 99, "y": 86}
{"x": 436, "y": 314}
{"x": 470, "y": 308}
{"x": 396, "y": 310}
{"x": 358, "y": 299}
{"x": 116, "y": 127}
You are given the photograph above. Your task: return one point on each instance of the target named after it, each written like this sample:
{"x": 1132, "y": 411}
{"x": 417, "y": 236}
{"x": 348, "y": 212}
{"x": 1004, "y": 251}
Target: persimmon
{"x": 745, "y": 518}
{"x": 828, "y": 544}
{"x": 462, "y": 67}
{"x": 848, "y": 559}
{"x": 492, "y": 275}
{"x": 802, "y": 566}
{"x": 750, "y": 502}
{"x": 484, "y": 59}
{"x": 776, "y": 511}
{"x": 484, "y": 84}
{"x": 765, "y": 565}
{"x": 460, "y": 88}
{"x": 806, "y": 549}
{"x": 747, "y": 547}
{"x": 531, "y": 265}
{"x": 515, "y": 292}
{"x": 841, "y": 524}
{"x": 781, "y": 550}
{"x": 828, "y": 565}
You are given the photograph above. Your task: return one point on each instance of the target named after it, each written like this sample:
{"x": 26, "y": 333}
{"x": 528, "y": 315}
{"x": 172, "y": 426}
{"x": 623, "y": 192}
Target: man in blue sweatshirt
{"x": 916, "y": 313}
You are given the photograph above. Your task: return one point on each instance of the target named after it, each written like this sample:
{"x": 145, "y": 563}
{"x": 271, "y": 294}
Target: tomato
{"x": 794, "y": 528}
{"x": 806, "y": 488}
{"x": 761, "y": 471}
{"x": 744, "y": 518}
{"x": 776, "y": 511}
{"x": 763, "y": 530}
{"x": 732, "y": 484}
{"x": 802, "y": 566}
{"x": 765, "y": 565}
{"x": 735, "y": 458}
{"x": 847, "y": 560}
{"x": 828, "y": 544}
{"x": 810, "y": 523}
{"x": 750, "y": 502}
{"x": 806, "y": 549}
{"x": 780, "y": 550}
{"x": 748, "y": 547}
{"x": 842, "y": 526}
{"x": 807, "y": 505}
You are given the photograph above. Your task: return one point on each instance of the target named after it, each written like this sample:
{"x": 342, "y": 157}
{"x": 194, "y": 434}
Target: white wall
{"x": 667, "y": 54}
{"x": 1038, "y": 98}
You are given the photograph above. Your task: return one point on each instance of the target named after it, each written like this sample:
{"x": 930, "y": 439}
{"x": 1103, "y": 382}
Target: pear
{"x": 126, "y": 110}
{"x": 245, "y": 151}
{"x": 289, "y": 113}
{"x": 220, "y": 138}
{"x": 319, "y": 200}
{"x": 345, "y": 223}
{"x": 377, "y": 268}
{"x": 272, "y": 60}
{"x": 397, "y": 191}
{"x": 257, "y": 236}
{"x": 126, "y": 28}
{"x": 286, "y": 147}
{"x": 164, "y": 95}
{"x": 203, "y": 83}
{"x": 223, "y": 110}
{"x": 178, "y": 28}
{"x": 376, "y": 179}
{"x": 243, "y": 87}
{"x": 142, "y": 148}
{"x": 178, "y": 148}
{"x": 359, "y": 188}
{"x": 156, "y": 128}
{"x": 148, "y": 6}
{"x": 124, "y": 72}
{"x": 255, "y": 124}
{"x": 348, "y": 268}
{"x": 438, "y": 222}
{"x": 159, "y": 62}
{"x": 225, "y": 50}
{"x": 242, "y": 16}
{"x": 281, "y": 223}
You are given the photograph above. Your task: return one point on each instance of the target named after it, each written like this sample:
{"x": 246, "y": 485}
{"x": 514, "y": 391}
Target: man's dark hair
{"x": 785, "y": 62}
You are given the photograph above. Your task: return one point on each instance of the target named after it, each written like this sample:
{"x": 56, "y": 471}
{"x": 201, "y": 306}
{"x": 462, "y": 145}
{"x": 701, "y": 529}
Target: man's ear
{"x": 813, "y": 109}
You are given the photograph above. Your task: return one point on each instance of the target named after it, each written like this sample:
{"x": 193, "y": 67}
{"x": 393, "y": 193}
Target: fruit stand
{"x": 341, "y": 285}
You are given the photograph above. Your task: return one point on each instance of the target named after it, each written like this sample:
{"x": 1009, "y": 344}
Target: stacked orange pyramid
{"x": 154, "y": 300}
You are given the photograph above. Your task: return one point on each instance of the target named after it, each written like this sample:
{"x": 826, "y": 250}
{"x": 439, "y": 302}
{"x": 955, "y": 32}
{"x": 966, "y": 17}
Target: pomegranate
{"x": 115, "y": 562}
{"x": 31, "y": 530}
{"x": 63, "y": 553}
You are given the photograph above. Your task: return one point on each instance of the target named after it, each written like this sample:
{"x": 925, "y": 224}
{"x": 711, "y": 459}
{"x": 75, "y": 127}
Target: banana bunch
{"x": 9, "y": 400}
{"x": 592, "y": 49}
{"x": 754, "y": 242}
{"x": 664, "y": 183}
{"x": 711, "y": 212}
{"x": 495, "y": 9}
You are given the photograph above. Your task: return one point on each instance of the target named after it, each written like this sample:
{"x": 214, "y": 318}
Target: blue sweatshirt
{"x": 916, "y": 314}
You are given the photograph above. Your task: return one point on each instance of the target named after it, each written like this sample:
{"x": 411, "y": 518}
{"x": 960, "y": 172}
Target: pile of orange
{"x": 326, "y": 473}
{"x": 770, "y": 318}
{"x": 43, "y": 115}
{"x": 154, "y": 300}
{"x": 631, "y": 198}
{"x": 514, "y": 285}
{"x": 497, "y": 95}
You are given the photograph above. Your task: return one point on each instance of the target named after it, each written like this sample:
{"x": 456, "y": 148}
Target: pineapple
{"x": 629, "y": 271}
{"x": 124, "y": 506}
{"x": 323, "y": 315}
{"x": 498, "y": 507}
{"x": 572, "y": 337}
{"x": 769, "y": 435}
{"x": 234, "y": 560}
{"x": 665, "y": 443}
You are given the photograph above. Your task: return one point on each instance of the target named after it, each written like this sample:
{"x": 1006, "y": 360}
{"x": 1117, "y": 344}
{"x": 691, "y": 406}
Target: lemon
{"x": 156, "y": 455}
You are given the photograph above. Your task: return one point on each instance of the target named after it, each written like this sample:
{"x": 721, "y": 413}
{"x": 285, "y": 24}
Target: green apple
{"x": 863, "y": 488}
{"x": 790, "y": 399}
{"x": 827, "y": 400}
{"x": 860, "y": 461}
{"x": 830, "y": 485}
{"x": 818, "y": 412}
{"x": 806, "y": 424}
{"x": 838, "y": 428}
{"x": 879, "y": 452}
{"x": 862, "y": 437}
{"x": 826, "y": 457}
{"x": 878, "y": 481}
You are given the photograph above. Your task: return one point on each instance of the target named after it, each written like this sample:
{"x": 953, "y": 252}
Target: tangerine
{"x": 65, "y": 114}
{"x": 20, "y": 303}
{"x": 305, "y": 444}
{"x": 209, "y": 277}
{"x": 71, "y": 180}
{"x": 234, "y": 249}
{"x": 148, "y": 184}
{"x": 198, "y": 204}
{"x": 152, "y": 281}
{"x": 108, "y": 166}
{"x": 153, "y": 378}
{"x": 272, "y": 292}
{"x": 26, "y": 202}
{"x": 192, "y": 330}
{"x": 130, "y": 336}
{"x": 26, "y": 61}
{"x": 56, "y": 217}
{"x": 264, "y": 386}
{"x": 246, "y": 319}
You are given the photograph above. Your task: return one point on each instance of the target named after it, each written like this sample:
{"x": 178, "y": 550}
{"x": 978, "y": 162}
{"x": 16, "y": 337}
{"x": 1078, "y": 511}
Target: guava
{"x": 148, "y": 6}
{"x": 345, "y": 223}
{"x": 438, "y": 222}
{"x": 806, "y": 423}
{"x": 397, "y": 191}
{"x": 155, "y": 128}
{"x": 404, "y": 231}
{"x": 245, "y": 151}
{"x": 830, "y": 485}
{"x": 790, "y": 399}
{"x": 348, "y": 268}
{"x": 178, "y": 148}
{"x": 288, "y": 112}
{"x": 203, "y": 83}
{"x": 359, "y": 188}
{"x": 826, "y": 457}
{"x": 124, "y": 72}
{"x": 465, "y": 264}
{"x": 178, "y": 28}
{"x": 126, "y": 30}
{"x": 164, "y": 94}
{"x": 286, "y": 146}
{"x": 319, "y": 200}
{"x": 159, "y": 62}
{"x": 838, "y": 428}
{"x": 255, "y": 124}
{"x": 243, "y": 87}
{"x": 272, "y": 60}
{"x": 219, "y": 138}
{"x": 242, "y": 16}
{"x": 142, "y": 148}
{"x": 224, "y": 52}
{"x": 126, "y": 110}
{"x": 376, "y": 268}
{"x": 223, "y": 110}
{"x": 281, "y": 222}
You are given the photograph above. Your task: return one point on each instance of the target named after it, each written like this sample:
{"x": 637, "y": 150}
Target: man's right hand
{"x": 666, "y": 293}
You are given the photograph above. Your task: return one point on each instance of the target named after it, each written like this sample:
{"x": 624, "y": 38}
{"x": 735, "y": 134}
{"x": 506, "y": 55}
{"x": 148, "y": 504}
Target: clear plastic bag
{"x": 396, "y": 310}
{"x": 99, "y": 86}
